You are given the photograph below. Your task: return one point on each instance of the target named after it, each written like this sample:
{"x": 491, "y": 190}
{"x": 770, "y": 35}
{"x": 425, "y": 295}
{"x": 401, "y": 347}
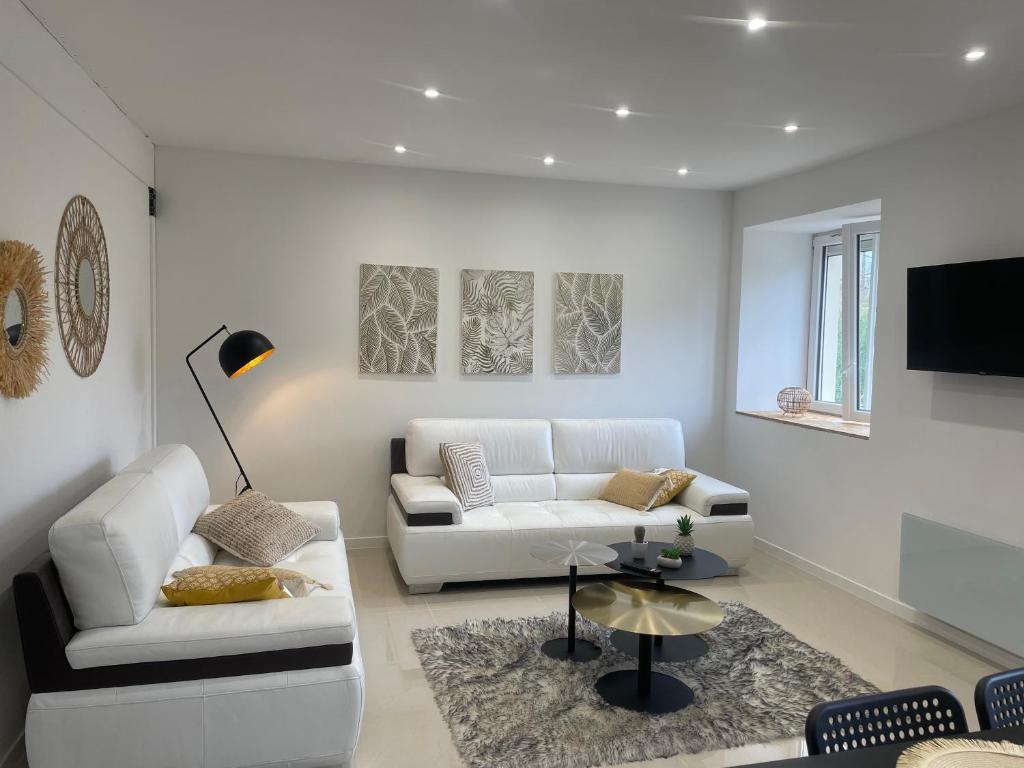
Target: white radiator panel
{"x": 971, "y": 582}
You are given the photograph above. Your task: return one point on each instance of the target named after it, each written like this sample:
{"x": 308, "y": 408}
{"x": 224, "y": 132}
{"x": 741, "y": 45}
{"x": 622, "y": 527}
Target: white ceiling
{"x": 343, "y": 79}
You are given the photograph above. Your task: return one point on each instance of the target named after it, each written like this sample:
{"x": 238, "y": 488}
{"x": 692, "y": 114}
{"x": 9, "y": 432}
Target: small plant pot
{"x": 685, "y": 545}
{"x": 668, "y": 562}
{"x": 639, "y": 549}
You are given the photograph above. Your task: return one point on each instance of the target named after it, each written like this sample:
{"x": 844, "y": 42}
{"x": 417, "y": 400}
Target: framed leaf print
{"x": 588, "y": 323}
{"x": 397, "y": 319}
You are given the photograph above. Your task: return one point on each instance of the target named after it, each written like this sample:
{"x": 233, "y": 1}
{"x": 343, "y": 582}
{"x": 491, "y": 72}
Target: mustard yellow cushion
{"x": 196, "y": 591}
{"x": 297, "y": 584}
{"x": 630, "y": 488}
{"x": 676, "y": 481}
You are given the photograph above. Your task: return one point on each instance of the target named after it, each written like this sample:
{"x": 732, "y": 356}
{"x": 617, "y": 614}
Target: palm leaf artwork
{"x": 588, "y": 323}
{"x": 497, "y": 322}
{"x": 397, "y": 319}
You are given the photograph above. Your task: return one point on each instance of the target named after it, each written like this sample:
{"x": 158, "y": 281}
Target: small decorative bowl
{"x": 668, "y": 562}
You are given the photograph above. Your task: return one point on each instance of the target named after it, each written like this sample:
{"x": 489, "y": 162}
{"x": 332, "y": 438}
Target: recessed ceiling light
{"x": 975, "y": 54}
{"x": 549, "y": 160}
{"x": 400, "y": 149}
{"x": 756, "y": 23}
{"x": 622, "y": 111}
{"x": 431, "y": 93}
{"x": 683, "y": 171}
{"x": 791, "y": 128}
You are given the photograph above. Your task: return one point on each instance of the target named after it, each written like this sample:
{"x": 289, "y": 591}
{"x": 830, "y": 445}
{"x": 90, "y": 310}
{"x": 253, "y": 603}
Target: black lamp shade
{"x": 243, "y": 350}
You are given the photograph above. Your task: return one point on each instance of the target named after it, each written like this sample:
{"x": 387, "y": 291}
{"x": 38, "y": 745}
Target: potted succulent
{"x": 684, "y": 539}
{"x": 639, "y": 542}
{"x": 670, "y": 558}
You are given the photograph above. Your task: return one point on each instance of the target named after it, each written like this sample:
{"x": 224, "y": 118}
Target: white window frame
{"x": 848, "y": 238}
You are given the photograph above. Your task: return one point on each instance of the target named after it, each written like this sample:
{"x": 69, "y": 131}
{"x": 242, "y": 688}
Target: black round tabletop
{"x": 701, "y": 565}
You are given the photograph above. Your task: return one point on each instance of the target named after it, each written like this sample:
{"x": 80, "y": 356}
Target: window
{"x": 842, "y": 334}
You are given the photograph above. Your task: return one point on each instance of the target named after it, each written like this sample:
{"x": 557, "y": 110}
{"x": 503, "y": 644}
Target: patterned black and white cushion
{"x": 465, "y": 472}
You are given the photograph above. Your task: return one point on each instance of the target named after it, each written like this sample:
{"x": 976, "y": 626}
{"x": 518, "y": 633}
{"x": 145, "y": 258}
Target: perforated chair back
{"x": 999, "y": 699}
{"x": 884, "y": 718}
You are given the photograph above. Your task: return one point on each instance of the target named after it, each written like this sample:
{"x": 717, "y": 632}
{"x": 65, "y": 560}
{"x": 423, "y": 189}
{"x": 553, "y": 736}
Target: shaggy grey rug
{"x": 507, "y": 704}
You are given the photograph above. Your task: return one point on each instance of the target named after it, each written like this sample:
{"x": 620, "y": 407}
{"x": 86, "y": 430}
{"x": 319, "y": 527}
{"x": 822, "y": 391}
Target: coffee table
{"x": 646, "y": 610}
{"x": 572, "y": 553}
{"x": 702, "y": 565}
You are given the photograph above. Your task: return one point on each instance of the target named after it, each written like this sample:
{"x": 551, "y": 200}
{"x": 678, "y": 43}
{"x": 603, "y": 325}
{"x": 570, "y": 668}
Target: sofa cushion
{"x": 581, "y": 486}
{"x": 523, "y": 488}
{"x": 182, "y": 477}
{"x": 512, "y": 446}
{"x": 636, "y": 490}
{"x": 203, "y": 631}
{"x": 323, "y": 514}
{"x": 465, "y": 472}
{"x": 608, "y": 445}
{"x": 168, "y": 633}
{"x": 113, "y": 549}
{"x": 255, "y": 528}
{"x": 676, "y": 480}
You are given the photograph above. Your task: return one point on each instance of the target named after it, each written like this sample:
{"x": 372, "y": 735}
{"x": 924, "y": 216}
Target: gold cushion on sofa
{"x": 630, "y": 488}
{"x": 297, "y": 584}
{"x": 676, "y": 481}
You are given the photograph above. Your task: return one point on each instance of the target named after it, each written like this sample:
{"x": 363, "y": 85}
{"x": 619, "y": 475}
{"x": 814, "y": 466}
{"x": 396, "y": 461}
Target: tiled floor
{"x": 403, "y": 725}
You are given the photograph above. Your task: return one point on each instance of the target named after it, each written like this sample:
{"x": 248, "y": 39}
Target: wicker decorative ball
{"x": 794, "y": 401}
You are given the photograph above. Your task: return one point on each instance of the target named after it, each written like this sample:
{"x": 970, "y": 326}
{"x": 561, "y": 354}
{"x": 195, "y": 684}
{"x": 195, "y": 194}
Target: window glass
{"x": 830, "y": 329}
{"x": 867, "y": 281}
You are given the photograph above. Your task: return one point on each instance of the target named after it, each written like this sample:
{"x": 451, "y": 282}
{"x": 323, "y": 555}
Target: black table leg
{"x": 644, "y": 690}
{"x": 572, "y": 611}
{"x": 569, "y": 647}
{"x": 666, "y": 649}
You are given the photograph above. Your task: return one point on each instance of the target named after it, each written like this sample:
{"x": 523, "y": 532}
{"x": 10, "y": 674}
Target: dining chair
{"x": 893, "y": 717}
{"x": 999, "y": 699}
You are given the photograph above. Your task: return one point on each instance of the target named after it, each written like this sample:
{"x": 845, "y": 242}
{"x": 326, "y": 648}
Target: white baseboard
{"x": 5, "y": 761}
{"x": 993, "y": 654}
{"x": 367, "y": 542}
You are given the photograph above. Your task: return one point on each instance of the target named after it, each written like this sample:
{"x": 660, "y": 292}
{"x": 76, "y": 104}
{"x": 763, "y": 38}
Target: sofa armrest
{"x": 709, "y": 497}
{"x": 427, "y": 498}
{"x": 323, "y": 513}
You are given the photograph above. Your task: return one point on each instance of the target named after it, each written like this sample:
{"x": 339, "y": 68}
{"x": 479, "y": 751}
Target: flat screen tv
{"x": 967, "y": 318}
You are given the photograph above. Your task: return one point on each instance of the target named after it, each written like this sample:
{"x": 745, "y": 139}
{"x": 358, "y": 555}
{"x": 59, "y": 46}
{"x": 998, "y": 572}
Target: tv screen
{"x": 967, "y": 318}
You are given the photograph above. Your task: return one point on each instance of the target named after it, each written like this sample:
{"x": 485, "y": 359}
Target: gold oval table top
{"x": 648, "y": 609}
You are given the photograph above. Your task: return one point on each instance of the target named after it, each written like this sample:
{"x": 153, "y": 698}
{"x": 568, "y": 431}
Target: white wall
{"x": 275, "y": 245}
{"x": 945, "y": 447}
{"x": 73, "y": 433}
{"x": 775, "y": 302}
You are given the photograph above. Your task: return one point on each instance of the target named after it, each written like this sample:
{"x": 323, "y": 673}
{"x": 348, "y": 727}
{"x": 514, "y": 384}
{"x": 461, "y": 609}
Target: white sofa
{"x": 547, "y": 475}
{"x": 121, "y": 679}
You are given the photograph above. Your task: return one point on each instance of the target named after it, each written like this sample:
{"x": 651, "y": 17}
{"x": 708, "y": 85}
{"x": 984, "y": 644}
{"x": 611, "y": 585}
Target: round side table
{"x": 646, "y": 610}
{"x": 573, "y": 554}
{"x": 701, "y": 565}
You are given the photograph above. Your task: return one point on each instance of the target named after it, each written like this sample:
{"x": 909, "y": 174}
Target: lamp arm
{"x": 188, "y": 362}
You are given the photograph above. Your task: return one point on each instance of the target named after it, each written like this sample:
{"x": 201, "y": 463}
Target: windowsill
{"x": 823, "y": 422}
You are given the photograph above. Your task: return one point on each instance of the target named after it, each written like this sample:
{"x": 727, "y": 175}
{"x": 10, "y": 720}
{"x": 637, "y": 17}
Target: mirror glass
{"x": 86, "y": 286}
{"x": 14, "y": 317}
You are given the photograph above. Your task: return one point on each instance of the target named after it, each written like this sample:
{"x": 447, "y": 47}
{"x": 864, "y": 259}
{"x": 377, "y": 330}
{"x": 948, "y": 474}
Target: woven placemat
{"x": 963, "y": 753}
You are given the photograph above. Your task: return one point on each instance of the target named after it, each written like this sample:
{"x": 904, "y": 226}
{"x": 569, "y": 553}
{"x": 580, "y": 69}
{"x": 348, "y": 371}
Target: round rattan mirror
{"x": 25, "y": 321}
{"x": 83, "y": 286}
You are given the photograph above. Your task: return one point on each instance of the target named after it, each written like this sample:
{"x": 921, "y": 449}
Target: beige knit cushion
{"x": 676, "y": 481}
{"x": 633, "y": 489}
{"x": 218, "y": 576}
{"x": 465, "y": 472}
{"x": 256, "y": 529}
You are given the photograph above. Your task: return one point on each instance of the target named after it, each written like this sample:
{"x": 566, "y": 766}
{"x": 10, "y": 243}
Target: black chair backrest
{"x": 999, "y": 699}
{"x": 884, "y": 718}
